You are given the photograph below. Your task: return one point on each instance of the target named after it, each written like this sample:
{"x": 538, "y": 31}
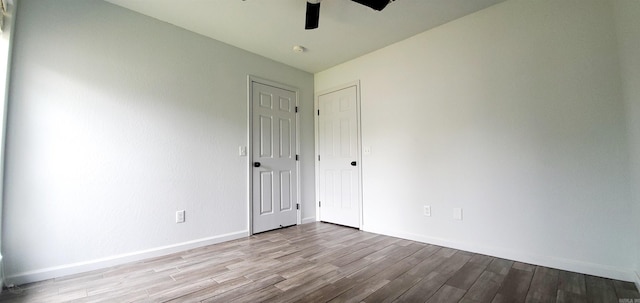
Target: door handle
{"x": 353, "y": 163}
{"x": 256, "y": 164}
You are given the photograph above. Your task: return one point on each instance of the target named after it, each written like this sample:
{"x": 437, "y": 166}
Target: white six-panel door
{"x": 339, "y": 174}
{"x": 274, "y": 169}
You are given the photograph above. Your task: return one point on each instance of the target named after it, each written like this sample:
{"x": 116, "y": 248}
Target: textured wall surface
{"x": 628, "y": 25}
{"x": 116, "y": 121}
{"x": 514, "y": 114}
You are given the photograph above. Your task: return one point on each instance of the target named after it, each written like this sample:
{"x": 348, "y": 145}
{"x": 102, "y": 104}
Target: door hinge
{"x": 318, "y": 112}
{"x": 319, "y": 203}
{"x": 298, "y": 206}
{"x": 318, "y": 157}
{"x": 296, "y": 109}
{"x": 297, "y": 157}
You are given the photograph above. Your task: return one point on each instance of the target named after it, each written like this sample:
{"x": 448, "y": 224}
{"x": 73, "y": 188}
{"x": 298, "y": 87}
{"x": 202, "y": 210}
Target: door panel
{"x": 285, "y": 139}
{"x": 266, "y": 193}
{"x": 338, "y": 147}
{"x": 285, "y": 191}
{"x": 274, "y": 146}
{"x": 266, "y": 143}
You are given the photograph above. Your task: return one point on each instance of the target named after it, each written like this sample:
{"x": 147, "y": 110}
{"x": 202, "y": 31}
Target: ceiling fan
{"x": 313, "y": 10}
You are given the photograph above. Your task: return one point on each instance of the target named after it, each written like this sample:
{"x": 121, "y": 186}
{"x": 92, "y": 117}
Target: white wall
{"x": 627, "y": 13}
{"x": 5, "y": 66}
{"x": 514, "y": 114}
{"x": 116, "y": 121}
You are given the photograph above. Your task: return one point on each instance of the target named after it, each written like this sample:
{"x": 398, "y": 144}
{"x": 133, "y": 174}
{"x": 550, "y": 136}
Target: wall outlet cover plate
{"x": 427, "y": 210}
{"x": 457, "y": 214}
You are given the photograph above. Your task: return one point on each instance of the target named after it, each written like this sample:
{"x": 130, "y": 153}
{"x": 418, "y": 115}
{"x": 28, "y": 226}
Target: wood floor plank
{"x": 58, "y": 297}
{"x": 399, "y": 252}
{"x": 305, "y": 251}
{"x": 466, "y": 275}
{"x": 262, "y": 295}
{"x": 127, "y": 285}
{"x": 447, "y": 294}
{"x": 208, "y": 263}
{"x": 299, "y": 293}
{"x": 515, "y": 286}
{"x": 305, "y": 276}
{"x": 142, "y": 265}
{"x": 570, "y": 297}
{"x": 244, "y": 268}
{"x": 337, "y": 252}
{"x": 523, "y": 266}
{"x": 349, "y": 269}
{"x": 425, "y": 252}
{"x": 385, "y": 251}
{"x": 281, "y": 268}
{"x": 600, "y": 290}
{"x": 137, "y": 295}
{"x": 362, "y": 283}
{"x": 320, "y": 262}
{"x": 452, "y": 264}
{"x": 481, "y": 259}
{"x": 162, "y": 293}
{"x": 256, "y": 286}
{"x": 572, "y": 283}
{"x": 424, "y": 289}
{"x": 500, "y": 266}
{"x": 203, "y": 272}
{"x": 485, "y": 287}
{"x": 544, "y": 285}
{"x": 371, "y": 270}
{"x": 356, "y": 255}
{"x": 360, "y": 291}
{"x": 394, "y": 289}
{"x": 403, "y": 283}
{"x": 397, "y": 269}
{"x": 288, "y": 272}
{"x": 626, "y": 290}
{"x": 329, "y": 291}
{"x": 212, "y": 291}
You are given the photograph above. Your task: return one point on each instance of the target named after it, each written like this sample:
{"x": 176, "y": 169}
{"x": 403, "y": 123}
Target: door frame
{"x": 250, "y": 80}
{"x": 316, "y": 117}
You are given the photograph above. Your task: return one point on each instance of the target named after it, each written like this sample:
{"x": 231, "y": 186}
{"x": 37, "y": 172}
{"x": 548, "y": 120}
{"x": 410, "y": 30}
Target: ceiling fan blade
{"x": 313, "y": 15}
{"x": 375, "y": 4}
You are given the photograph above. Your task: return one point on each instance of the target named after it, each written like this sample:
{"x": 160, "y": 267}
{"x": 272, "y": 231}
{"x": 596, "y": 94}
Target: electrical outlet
{"x": 180, "y": 216}
{"x": 457, "y": 214}
{"x": 427, "y": 210}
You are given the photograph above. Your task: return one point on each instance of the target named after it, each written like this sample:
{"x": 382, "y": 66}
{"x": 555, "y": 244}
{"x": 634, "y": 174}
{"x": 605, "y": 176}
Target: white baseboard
{"x": 80, "y": 267}
{"x": 547, "y": 261}
{"x": 308, "y": 220}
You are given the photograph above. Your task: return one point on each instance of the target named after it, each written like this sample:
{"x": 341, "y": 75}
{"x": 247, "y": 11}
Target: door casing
{"x": 250, "y": 171}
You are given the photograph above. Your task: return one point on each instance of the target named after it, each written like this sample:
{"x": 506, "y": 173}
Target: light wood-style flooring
{"x": 321, "y": 262}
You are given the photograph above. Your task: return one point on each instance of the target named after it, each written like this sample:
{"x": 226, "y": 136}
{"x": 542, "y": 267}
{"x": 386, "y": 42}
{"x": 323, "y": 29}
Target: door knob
{"x": 353, "y": 163}
{"x": 256, "y": 164}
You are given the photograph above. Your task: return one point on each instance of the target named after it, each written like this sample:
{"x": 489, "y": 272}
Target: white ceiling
{"x": 272, "y": 27}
